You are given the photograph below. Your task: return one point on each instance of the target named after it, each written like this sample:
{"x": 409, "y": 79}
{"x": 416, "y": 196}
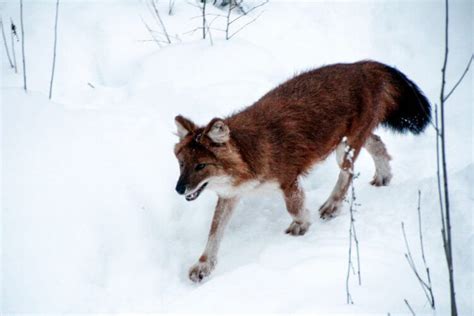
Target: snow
{"x": 90, "y": 221}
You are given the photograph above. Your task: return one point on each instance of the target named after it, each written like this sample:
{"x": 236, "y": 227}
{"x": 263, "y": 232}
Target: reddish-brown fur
{"x": 292, "y": 127}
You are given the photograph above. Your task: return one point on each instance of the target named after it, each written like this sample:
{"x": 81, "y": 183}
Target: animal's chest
{"x": 226, "y": 189}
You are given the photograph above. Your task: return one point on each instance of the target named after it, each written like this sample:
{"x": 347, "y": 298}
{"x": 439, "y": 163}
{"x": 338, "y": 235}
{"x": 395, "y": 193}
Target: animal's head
{"x": 207, "y": 157}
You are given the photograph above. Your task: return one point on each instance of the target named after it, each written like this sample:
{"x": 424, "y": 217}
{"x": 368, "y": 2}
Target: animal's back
{"x": 302, "y": 120}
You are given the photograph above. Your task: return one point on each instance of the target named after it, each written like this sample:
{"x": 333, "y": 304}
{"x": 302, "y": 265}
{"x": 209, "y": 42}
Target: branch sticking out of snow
{"x": 352, "y": 238}
{"x": 238, "y": 4}
{"x": 425, "y": 285}
{"x": 13, "y": 36}
{"x": 23, "y": 45}
{"x": 54, "y": 50}
{"x": 6, "y": 45}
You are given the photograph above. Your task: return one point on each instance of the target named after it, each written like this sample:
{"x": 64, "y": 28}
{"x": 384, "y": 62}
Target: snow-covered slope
{"x": 90, "y": 221}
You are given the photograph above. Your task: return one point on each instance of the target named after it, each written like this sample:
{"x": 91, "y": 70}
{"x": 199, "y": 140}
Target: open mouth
{"x": 196, "y": 193}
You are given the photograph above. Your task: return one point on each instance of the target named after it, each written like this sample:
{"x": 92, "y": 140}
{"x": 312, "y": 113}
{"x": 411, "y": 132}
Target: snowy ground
{"x": 90, "y": 221}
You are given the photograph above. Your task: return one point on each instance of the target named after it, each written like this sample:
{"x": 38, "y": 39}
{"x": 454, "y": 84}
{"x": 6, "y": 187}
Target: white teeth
{"x": 192, "y": 195}
{"x": 196, "y": 193}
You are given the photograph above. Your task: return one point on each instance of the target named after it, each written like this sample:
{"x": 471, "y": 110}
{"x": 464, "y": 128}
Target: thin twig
{"x": 207, "y": 14}
{"x": 438, "y": 176}
{"x": 151, "y": 33}
{"x": 354, "y": 233}
{"x": 212, "y": 22}
{"x": 246, "y": 24}
{"x": 171, "y": 7}
{"x": 448, "y": 241}
{"x": 424, "y": 286}
{"x": 442, "y": 134}
{"x": 204, "y": 19}
{"x": 23, "y": 45}
{"x": 461, "y": 78}
{"x": 228, "y": 21}
{"x": 158, "y": 17}
{"x": 239, "y": 5}
{"x": 246, "y": 13}
{"x": 409, "y": 307}
{"x": 6, "y": 45}
{"x": 210, "y": 34}
{"x": 217, "y": 29}
{"x": 430, "y": 287}
{"x": 352, "y": 238}
{"x": 193, "y": 30}
{"x": 13, "y": 36}
{"x": 191, "y": 3}
{"x": 54, "y": 50}
{"x": 348, "y": 293}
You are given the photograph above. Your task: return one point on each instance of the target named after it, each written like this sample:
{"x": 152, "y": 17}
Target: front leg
{"x": 208, "y": 260}
{"x": 294, "y": 199}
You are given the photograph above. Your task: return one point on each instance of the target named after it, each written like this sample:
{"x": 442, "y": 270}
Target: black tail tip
{"x": 414, "y": 110}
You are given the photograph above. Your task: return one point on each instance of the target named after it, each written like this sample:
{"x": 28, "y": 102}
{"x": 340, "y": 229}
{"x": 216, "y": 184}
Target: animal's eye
{"x": 181, "y": 164}
{"x": 200, "y": 166}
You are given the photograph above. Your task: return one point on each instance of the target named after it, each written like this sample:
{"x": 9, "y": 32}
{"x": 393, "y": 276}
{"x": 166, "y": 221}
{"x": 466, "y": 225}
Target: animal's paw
{"x": 329, "y": 209}
{"x": 381, "y": 180}
{"x": 201, "y": 270}
{"x": 297, "y": 228}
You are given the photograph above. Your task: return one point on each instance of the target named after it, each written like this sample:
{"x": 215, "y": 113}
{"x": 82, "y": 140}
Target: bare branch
{"x": 54, "y": 50}
{"x": 352, "y": 238}
{"x": 228, "y": 22}
{"x": 426, "y": 287}
{"x": 6, "y": 45}
{"x": 23, "y": 45}
{"x": 245, "y": 13}
{"x": 207, "y": 14}
{"x": 438, "y": 175}
{"x": 409, "y": 307}
{"x": 420, "y": 231}
{"x": 158, "y": 17}
{"x": 151, "y": 33}
{"x": 238, "y": 4}
{"x": 13, "y": 36}
{"x": 193, "y": 30}
{"x": 204, "y": 19}
{"x": 191, "y": 3}
{"x": 348, "y": 293}
{"x": 217, "y": 29}
{"x": 209, "y": 28}
{"x": 243, "y": 26}
{"x": 210, "y": 34}
{"x": 171, "y": 7}
{"x": 447, "y": 241}
{"x": 460, "y": 79}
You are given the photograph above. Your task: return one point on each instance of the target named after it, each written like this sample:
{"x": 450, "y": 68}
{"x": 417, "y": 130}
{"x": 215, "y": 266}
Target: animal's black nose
{"x": 180, "y": 188}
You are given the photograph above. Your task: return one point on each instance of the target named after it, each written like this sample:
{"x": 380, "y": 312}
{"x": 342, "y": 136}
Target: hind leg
{"x": 294, "y": 199}
{"x": 378, "y": 151}
{"x": 346, "y": 155}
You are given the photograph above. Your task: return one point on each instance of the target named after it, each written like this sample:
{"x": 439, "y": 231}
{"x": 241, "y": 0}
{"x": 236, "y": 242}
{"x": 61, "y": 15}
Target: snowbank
{"x": 90, "y": 220}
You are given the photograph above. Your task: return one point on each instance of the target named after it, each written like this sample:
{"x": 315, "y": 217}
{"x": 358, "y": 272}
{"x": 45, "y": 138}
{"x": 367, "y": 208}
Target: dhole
{"x": 281, "y": 136}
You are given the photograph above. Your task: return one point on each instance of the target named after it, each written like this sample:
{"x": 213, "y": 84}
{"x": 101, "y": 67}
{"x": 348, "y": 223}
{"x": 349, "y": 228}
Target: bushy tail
{"x": 413, "y": 112}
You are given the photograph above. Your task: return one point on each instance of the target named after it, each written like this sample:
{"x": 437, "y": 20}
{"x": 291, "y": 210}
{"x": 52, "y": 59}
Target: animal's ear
{"x": 217, "y": 131}
{"x": 184, "y": 126}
